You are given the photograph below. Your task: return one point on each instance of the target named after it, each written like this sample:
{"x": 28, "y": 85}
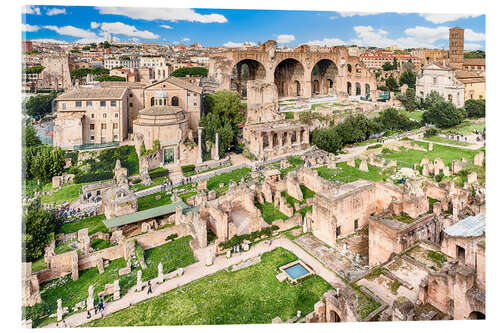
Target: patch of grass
{"x": 67, "y": 193}
{"x": 432, "y": 201}
{"x": 376, "y": 146}
{"x": 248, "y": 296}
{"x": 63, "y": 247}
{"x": 395, "y": 286}
{"x": 94, "y": 223}
{"x": 296, "y": 163}
{"x": 100, "y": 244}
{"x": 173, "y": 255}
{"x": 289, "y": 199}
{"x": 149, "y": 201}
{"x": 375, "y": 273}
{"x": 187, "y": 195}
{"x": 306, "y": 192}
{"x": 437, "y": 257}
{"x": 269, "y": 212}
{"x": 38, "y": 265}
{"x": 467, "y": 127}
{"x": 366, "y": 304}
{"x": 415, "y": 115}
{"x": 303, "y": 211}
{"x": 348, "y": 174}
{"x": 403, "y": 218}
{"x": 445, "y": 153}
{"x": 235, "y": 175}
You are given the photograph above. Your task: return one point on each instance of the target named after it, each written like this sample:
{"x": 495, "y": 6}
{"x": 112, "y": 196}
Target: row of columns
{"x": 200, "y": 149}
{"x": 288, "y": 139}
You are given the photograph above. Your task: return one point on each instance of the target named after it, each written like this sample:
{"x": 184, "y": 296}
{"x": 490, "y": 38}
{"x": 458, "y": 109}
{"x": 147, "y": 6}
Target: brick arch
{"x": 244, "y": 70}
{"x": 325, "y": 75}
{"x": 287, "y": 73}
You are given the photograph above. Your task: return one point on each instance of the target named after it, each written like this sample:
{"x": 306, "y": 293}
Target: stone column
{"x": 59, "y": 312}
{"x": 270, "y": 139}
{"x": 138, "y": 287}
{"x": 280, "y": 139}
{"x": 200, "y": 156}
{"x": 160, "y": 273}
{"x": 116, "y": 290}
{"x": 90, "y": 298}
{"x": 216, "y": 146}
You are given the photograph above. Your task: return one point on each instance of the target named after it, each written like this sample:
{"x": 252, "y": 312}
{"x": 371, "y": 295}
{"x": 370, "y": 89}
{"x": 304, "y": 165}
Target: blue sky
{"x": 215, "y": 27}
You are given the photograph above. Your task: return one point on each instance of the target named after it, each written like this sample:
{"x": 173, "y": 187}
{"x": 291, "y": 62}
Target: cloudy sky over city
{"x": 233, "y": 28}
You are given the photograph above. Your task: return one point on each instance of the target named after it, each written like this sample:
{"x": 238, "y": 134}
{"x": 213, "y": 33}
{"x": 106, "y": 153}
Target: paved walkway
{"x": 470, "y": 146}
{"x": 199, "y": 270}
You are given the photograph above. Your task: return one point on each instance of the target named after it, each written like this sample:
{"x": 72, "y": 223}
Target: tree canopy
{"x": 82, "y": 72}
{"x": 408, "y": 99}
{"x": 30, "y": 137}
{"x": 222, "y": 115}
{"x": 43, "y": 162}
{"x": 391, "y": 83}
{"x": 109, "y": 78}
{"x": 39, "y": 105}
{"x": 409, "y": 78}
{"x": 33, "y": 69}
{"x": 444, "y": 114}
{"x": 476, "y": 108}
{"x": 191, "y": 71}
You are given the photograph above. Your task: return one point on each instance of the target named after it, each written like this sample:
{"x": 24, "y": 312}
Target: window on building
{"x": 88, "y": 103}
{"x": 91, "y": 127}
{"x": 356, "y": 224}
{"x": 91, "y": 138}
{"x": 337, "y": 232}
{"x": 130, "y": 95}
{"x": 130, "y": 104}
{"x": 103, "y": 104}
{"x": 115, "y": 137}
{"x": 113, "y": 103}
{"x": 105, "y": 115}
{"x": 434, "y": 80}
{"x": 103, "y": 126}
{"x": 78, "y": 104}
{"x": 115, "y": 125}
{"x": 92, "y": 115}
{"x": 116, "y": 114}
{"x": 175, "y": 101}
{"x": 64, "y": 106}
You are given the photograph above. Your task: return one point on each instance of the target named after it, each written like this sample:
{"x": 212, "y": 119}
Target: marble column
{"x": 216, "y": 146}
{"x": 200, "y": 155}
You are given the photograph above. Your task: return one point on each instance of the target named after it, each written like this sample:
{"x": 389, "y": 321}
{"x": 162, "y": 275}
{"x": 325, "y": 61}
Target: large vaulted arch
{"x": 323, "y": 77}
{"x": 243, "y": 71}
{"x": 289, "y": 78}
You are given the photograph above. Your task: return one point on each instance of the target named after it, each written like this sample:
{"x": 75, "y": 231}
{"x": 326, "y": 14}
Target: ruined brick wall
{"x": 382, "y": 242}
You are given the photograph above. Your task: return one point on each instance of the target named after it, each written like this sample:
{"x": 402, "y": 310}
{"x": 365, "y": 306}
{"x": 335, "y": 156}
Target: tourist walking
{"x": 88, "y": 314}
{"x": 101, "y": 304}
{"x": 150, "y": 291}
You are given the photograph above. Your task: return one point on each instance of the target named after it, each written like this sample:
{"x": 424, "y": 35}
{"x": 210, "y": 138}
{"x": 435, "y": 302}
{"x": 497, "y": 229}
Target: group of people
{"x": 236, "y": 248}
{"x": 98, "y": 308}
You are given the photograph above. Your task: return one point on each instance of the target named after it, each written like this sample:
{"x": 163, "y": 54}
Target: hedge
{"x": 92, "y": 177}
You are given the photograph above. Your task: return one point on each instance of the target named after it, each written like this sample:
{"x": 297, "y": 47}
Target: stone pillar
{"x": 200, "y": 153}
{"x": 59, "y": 312}
{"x": 270, "y": 139}
{"x": 280, "y": 139}
{"x": 138, "y": 287}
{"x": 90, "y": 298}
{"x": 216, "y": 146}
{"x": 116, "y": 290}
{"x": 160, "y": 273}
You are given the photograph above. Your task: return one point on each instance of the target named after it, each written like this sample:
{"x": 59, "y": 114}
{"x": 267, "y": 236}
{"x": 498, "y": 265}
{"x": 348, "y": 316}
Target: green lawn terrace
{"x": 467, "y": 127}
{"x": 172, "y": 255}
{"x": 251, "y": 295}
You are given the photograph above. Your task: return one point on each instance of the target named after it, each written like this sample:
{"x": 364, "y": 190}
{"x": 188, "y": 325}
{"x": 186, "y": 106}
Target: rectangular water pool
{"x": 296, "y": 271}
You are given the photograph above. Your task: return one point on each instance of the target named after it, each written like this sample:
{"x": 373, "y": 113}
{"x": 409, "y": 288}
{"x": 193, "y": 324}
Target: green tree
{"x": 387, "y": 66}
{"x": 43, "y": 162}
{"x": 475, "y": 108}
{"x": 33, "y": 70}
{"x": 327, "y": 139}
{"x": 391, "y": 83}
{"x": 443, "y": 115}
{"x": 222, "y": 115}
{"x": 409, "y": 99}
{"x": 392, "y": 119}
{"x": 432, "y": 99}
{"x": 409, "y": 78}
{"x": 40, "y": 105}
{"x": 191, "y": 71}
{"x": 394, "y": 63}
{"x": 30, "y": 137}
{"x": 37, "y": 230}
{"x": 109, "y": 78}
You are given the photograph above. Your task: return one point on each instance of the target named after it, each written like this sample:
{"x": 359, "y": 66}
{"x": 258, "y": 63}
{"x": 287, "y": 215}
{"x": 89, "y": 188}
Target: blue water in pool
{"x": 296, "y": 271}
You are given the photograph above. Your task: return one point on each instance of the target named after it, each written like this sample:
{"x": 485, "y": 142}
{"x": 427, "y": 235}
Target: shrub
{"x": 430, "y": 132}
{"x": 187, "y": 168}
{"x": 93, "y": 177}
{"x": 35, "y": 312}
{"x": 171, "y": 237}
{"x": 158, "y": 173}
{"x": 378, "y": 145}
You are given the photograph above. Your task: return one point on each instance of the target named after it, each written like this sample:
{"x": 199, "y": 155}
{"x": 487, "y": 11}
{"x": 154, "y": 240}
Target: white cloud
{"x": 94, "y": 25}
{"x": 31, "y": 10}
{"x": 472, "y": 46}
{"x": 333, "y": 17}
{"x": 285, "y": 39}
{"x": 186, "y": 39}
{"x": 428, "y": 34}
{"x": 351, "y": 14}
{"x": 166, "y": 14}
{"x": 56, "y": 11}
{"x": 29, "y": 28}
{"x": 327, "y": 42}
{"x": 472, "y": 36}
{"x": 71, "y": 31}
{"x": 239, "y": 44}
{"x": 442, "y": 18}
{"x": 128, "y": 30}
{"x": 166, "y": 26}
{"x": 49, "y": 40}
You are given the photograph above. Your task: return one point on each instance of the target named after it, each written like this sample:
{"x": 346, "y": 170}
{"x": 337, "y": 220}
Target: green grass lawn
{"x": 94, "y": 223}
{"x": 416, "y": 115}
{"x": 187, "y": 195}
{"x": 296, "y": 163}
{"x": 348, "y": 174}
{"x": 306, "y": 192}
{"x": 63, "y": 247}
{"x": 249, "y": 296}
{"x": 173, "y": 255}
{"x": 38, "y": 265}
{"x": 446, "y": 153}
{"x": 68, "y": 192}
{"x": 236, "y": 175}
{"x": 467, "y": 127}
{"x": 269, "y": 212}
{"x": 149, "y": 201}
{"x": 100, "y": 244}
{"x": 448, "y": 141}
